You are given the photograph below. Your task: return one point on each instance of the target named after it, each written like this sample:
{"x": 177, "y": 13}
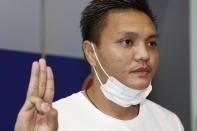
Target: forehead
{"x": 118, "y": 21}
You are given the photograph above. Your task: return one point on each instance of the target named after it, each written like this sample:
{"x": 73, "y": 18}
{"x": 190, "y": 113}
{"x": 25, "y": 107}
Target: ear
{"x": 89, "y": 52}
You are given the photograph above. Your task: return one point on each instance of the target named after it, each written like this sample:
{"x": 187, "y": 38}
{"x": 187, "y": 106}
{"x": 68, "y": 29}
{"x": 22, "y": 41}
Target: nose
{"x": 141, "y": 53}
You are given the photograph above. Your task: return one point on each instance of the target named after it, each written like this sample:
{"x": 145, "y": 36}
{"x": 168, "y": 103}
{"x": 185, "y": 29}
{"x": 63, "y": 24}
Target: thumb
{"x": 37, "y": 103}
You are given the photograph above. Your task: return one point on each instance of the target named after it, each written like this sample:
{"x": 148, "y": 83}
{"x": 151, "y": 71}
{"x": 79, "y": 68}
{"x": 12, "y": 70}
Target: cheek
{"x": 121, "y": 58}
{"x": 120, "y": 62}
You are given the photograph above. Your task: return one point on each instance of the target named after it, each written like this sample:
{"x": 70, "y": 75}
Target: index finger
{"x": 34, "y": 80}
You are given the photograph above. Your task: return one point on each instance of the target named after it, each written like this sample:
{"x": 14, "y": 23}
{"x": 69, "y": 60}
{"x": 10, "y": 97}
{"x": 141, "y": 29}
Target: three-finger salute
{"x": 37, "y": 113}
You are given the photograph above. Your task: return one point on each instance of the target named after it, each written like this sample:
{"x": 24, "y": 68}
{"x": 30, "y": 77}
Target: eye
{"x": 127, "y": 42}
{"x": 153, "y": 43}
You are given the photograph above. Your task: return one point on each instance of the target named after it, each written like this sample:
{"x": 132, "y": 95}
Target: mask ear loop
{"x": 99, "y": 61}
{"x": 97, "y": 75}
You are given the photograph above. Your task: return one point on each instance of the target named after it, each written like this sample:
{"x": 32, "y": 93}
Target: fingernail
{"x": 45, "y": 107}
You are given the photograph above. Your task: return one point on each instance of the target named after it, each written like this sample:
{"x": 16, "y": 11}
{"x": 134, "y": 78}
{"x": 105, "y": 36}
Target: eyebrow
{"x": 127, "y": 33}
{"x": 153, "y": 36}
{"x": 136, "y": 34}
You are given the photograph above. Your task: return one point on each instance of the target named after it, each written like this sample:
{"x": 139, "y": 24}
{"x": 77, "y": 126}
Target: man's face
{"x": 127, "y": 49}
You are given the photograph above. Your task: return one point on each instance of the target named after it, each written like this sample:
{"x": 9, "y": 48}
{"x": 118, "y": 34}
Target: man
{"x": 120, "y": 45}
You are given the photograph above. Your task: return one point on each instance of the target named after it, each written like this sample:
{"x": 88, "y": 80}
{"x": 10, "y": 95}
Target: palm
{"x": 37, "y": 113}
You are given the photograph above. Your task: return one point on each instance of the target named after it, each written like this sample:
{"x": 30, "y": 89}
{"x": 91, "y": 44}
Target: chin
{"x": 139, "y": 84}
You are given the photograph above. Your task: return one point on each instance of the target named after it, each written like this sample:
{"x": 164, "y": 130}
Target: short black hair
{"x": 93, "y": 17}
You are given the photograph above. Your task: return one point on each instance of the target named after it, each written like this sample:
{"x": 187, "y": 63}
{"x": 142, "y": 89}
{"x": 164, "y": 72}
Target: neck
{"x": 106, "y": 106}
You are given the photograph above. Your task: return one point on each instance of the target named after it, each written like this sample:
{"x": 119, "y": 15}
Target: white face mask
{"x": 119, "y": 93}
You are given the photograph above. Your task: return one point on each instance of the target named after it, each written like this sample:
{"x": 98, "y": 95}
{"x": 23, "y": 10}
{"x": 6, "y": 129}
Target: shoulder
{"x": 152, "y": 106}
{"x": 163, "y": 114}
{"x": 67, "y": 102}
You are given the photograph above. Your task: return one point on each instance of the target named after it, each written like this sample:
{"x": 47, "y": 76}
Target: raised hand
{"x": 37, "y": 113}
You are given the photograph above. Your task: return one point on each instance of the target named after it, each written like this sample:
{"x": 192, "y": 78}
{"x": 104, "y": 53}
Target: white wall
{"x": 20, "y": 25}
{"x": 62, "y": 27}
{"x": 193, "y": 62}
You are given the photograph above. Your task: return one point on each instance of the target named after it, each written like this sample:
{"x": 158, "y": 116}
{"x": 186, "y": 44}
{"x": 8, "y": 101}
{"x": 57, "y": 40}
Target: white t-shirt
{"x": 76, "y": 113}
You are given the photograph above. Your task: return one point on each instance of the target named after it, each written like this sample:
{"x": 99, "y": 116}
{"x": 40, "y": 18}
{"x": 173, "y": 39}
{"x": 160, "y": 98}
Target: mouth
{"x": 141, "y": 71}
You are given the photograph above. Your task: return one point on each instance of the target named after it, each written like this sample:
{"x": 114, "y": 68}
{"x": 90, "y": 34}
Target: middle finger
{"x": 42, "y": 77}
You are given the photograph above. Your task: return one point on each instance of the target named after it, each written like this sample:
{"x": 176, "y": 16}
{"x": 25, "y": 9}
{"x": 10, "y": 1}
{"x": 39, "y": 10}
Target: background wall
{"x": 172, "y": 81}
{"x": 193, "y": 63}
{"x": 20, "y": 46}
{"x": 62, "y": 27}
{"x": 20, "y": 25}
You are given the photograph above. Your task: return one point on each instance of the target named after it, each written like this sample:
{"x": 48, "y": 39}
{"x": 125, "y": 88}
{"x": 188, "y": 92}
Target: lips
{"x": 141, "y": 71}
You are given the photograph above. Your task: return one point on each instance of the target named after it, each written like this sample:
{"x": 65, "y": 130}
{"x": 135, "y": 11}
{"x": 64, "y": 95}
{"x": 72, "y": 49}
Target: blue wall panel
{"x": 69, "y": 74}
